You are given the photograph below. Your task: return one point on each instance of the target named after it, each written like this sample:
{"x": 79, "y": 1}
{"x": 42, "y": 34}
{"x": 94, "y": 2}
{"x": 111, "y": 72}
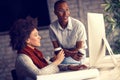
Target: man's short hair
{"x": 58, "y": 2}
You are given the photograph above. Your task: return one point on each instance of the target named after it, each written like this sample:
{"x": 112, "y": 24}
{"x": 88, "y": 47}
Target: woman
{"x": 30, "y": 62}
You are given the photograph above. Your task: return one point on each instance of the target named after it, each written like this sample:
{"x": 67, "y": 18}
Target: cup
{"x": 57, "y": 50}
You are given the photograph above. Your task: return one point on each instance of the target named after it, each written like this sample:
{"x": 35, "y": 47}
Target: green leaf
{"x": 107, "y": 7}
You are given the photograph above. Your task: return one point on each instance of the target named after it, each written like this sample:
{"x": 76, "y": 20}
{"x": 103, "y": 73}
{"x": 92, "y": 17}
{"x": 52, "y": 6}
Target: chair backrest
{"x": 96, "y": 32}
{"x": 14, "y": 75}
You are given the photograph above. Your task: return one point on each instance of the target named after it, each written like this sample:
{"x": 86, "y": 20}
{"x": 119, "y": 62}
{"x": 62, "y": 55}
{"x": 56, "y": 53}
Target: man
{"x": 69, "y": 34}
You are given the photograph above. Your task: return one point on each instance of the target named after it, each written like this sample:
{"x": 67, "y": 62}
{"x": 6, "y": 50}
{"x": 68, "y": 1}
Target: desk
{"x": 104, "y": 71}
{"x": 89, "y": 74}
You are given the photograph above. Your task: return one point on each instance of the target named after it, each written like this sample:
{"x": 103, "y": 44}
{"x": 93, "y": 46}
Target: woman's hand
{"x": 59, "y": 58}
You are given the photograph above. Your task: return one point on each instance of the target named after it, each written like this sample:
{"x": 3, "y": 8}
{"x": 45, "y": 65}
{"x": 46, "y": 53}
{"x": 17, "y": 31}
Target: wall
{"x": 79, "y": 9}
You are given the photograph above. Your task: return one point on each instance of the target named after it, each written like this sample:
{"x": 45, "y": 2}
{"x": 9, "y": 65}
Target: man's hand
{"x": 77, "y": 56}
{"x": 74, "y": 54}
{"x": 77, "y": 67}
{"x": 69, "y": 52}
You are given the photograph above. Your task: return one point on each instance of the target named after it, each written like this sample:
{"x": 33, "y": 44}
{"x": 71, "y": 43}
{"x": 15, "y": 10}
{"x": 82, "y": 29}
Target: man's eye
{"x": 63, "y": 10}
{"x": 60, "y": 10}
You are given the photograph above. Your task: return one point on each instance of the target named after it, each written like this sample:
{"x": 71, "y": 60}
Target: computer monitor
{"x": 96, "y": 32}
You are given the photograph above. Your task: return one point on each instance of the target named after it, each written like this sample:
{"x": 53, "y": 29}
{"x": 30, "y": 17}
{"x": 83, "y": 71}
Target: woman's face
{"x": 34, "y": 39}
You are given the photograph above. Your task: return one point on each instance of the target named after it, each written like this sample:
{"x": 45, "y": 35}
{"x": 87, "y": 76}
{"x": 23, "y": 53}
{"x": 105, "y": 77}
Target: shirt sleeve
{"x": 81, "y": 33}
{"x": 27, "y": 65}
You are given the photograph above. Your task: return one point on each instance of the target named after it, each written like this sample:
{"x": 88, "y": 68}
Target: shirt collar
{"x": 69, "y": 26}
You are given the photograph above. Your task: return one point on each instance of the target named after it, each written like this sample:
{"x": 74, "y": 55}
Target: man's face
{"x": 62, "y": 12}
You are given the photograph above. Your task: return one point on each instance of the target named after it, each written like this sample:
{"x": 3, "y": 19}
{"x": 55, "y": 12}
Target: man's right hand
{"x": 74, "y": 54}
{"x": 69, "y": 52}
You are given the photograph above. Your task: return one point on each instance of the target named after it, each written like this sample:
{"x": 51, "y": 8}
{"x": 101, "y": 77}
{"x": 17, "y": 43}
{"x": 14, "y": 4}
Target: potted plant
{"x": 112, "y": 20}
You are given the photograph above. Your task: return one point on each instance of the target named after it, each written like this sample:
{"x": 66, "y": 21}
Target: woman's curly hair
{"x": 20, "y": 32}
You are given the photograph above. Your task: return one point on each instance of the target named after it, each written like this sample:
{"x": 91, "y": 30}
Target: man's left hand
{"x": 77, "y": 56}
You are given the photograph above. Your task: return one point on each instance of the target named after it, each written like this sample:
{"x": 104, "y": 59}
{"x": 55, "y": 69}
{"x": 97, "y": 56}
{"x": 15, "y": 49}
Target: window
{"x": 12, "y": 10}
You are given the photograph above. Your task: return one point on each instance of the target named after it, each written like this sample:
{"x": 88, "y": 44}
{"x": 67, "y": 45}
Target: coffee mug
{"x": 57, "y": 50}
